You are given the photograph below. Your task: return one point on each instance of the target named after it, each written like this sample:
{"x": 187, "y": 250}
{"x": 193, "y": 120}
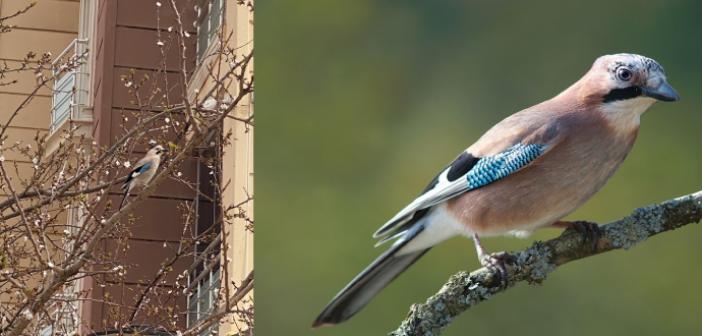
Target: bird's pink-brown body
{"x": 587, "y": 149}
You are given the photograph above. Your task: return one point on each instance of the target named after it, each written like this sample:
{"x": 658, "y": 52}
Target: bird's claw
{"x": 591, "y": 231}
{"x": 496, "y": 261}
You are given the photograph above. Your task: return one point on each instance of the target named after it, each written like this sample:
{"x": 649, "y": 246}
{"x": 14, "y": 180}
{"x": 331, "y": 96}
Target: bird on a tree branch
{"x": 144, "y": 170}
{"x": 527, "y": 172}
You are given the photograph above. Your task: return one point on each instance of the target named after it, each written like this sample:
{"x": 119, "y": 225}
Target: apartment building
{"x": 121, "y": 38}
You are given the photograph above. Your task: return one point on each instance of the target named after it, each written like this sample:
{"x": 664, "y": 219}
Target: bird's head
{"x": 625, "y": 85}
{"x": 622, "y": 87}
{"x": 157, "y": 150}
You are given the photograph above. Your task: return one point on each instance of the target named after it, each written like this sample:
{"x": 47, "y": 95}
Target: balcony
{"x": 71, "y": 87}
{"x": 204, "y": 284}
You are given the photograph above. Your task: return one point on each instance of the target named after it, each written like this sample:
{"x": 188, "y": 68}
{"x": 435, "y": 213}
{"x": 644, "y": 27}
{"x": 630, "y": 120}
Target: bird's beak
{"x": 664, "y": 92}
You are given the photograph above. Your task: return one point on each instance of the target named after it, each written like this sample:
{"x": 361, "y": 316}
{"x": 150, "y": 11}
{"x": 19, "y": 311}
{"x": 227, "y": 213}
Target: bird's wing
{"x": 468, "y": 172}
{"x": 140, "y": 167}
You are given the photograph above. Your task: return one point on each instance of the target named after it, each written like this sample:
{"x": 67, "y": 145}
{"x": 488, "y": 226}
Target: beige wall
{"x": 48, "y": 27}
{"x": 238, "y": 161}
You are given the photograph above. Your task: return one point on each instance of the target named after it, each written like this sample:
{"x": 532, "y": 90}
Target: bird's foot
{"x": 591, "y": 231}
{"x": 496, "y": 261}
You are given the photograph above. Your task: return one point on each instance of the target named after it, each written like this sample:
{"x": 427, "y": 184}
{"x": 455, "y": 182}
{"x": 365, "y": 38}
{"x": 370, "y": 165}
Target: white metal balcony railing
{"x": 204, "y": 284}
{"x": 71, "y": 88}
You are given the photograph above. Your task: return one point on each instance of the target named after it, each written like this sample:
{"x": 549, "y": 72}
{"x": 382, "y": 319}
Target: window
{"x": 63, "y": 313}
{"x": 204, "y": 297}
{"x": 47, "y": 331}
{"x": 204, "y": 274}
{"x": 209, "y": 21}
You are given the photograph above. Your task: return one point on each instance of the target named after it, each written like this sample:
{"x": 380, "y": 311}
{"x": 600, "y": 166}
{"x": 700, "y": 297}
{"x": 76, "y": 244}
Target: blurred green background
{"x": 360, "y": 103}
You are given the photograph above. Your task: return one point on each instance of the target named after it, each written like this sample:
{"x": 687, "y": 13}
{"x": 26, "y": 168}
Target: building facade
{"x": 123, "y": 40}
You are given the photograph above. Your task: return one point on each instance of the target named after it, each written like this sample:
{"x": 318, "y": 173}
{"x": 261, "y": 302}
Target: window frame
{"x": 204, "y": 275}
{"x": 205, "y": 20}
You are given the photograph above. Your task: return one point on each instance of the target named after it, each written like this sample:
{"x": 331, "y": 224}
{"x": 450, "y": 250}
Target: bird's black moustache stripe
{"x": 622, "y": 94}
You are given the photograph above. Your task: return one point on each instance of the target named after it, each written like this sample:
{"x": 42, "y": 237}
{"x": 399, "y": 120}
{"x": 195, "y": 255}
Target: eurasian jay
{"x": 144, "y": 170}
{"x": 527, "y": 172}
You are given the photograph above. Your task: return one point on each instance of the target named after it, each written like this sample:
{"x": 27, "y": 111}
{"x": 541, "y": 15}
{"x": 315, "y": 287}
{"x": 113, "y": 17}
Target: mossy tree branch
{"x": 465, "y": 290}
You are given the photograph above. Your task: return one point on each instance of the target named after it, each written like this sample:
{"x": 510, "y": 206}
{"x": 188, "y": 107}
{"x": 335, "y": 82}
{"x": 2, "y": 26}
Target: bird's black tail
{"x": 124, "y": 198}
{"x": 368, "y": 283}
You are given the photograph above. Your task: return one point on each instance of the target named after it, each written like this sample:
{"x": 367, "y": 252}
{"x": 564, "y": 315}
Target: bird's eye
{"x": 624, "y": 74}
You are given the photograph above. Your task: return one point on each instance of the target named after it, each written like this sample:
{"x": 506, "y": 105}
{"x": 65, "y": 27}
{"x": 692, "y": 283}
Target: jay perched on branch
{"x": 527, "y": 172}
{"x": 144, "y": 170}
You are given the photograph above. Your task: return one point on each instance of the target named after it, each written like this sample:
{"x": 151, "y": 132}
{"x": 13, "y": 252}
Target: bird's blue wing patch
{"x": 143, "y": 167}
{"x": 492, "y": 168}
{"x": 135, "y": 172}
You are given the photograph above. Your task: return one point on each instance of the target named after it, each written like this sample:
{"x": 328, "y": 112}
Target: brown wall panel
{"x": 97, "y": 54}
{"x": 168, "y": 191}
{"x": 124, "y": 99}
{"x": 119, "y": 47}
{"x": 102, "y": 73}
{"x": 97, "y": 86}
{"x": 102, "y": 5}
{"x": 143, "y": 259}
{"x": 128, "y": 294}
{"x": 99, "y": 100}
{"x": 105, "y": 33}
{"x": 142, "y": 13}
{"x": 91, "y": 312}
{"x": 159, "y": 219}
{"x": 159, "y": 130}
{"x": 130, "y": 40}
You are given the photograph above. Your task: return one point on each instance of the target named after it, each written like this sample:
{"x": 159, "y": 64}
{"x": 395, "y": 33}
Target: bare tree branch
{"x": 6, "y": 28}
{"x": 58, "y": 214}
{"x": 465, "y": 290}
